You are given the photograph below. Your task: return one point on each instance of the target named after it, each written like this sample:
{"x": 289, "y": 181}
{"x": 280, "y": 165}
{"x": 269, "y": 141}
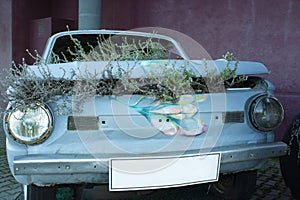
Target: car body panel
{"x": 134, "y": 125}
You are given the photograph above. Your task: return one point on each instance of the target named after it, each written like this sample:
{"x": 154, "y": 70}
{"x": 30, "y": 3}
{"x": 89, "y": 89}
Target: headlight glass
{"x": 266, "y": 113}
{"x": 30, "y": 125}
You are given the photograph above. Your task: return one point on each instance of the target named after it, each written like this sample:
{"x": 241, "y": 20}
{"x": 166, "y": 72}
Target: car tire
{"x": 290, "y": 163}
{"x": 236, "y": 186}
{"x": 37, "y": 193}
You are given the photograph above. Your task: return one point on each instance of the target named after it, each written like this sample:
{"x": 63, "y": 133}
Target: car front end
{"x": 87, "y": 122}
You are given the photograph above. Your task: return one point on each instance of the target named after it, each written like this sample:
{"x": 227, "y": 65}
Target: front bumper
{"x": 67, "y": 169}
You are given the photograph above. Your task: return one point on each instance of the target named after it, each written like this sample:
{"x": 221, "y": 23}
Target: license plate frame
{"x": 143, "y": 173}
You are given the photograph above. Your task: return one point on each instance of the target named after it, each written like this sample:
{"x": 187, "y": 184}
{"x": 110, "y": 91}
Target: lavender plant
{"x": 165, "y": 82}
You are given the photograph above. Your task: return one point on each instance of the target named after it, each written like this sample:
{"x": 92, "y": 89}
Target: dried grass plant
{"x": 165, "y": 82}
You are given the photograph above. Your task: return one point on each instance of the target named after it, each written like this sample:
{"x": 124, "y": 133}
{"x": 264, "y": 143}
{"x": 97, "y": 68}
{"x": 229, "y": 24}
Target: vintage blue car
{"x": 133, "y": 111}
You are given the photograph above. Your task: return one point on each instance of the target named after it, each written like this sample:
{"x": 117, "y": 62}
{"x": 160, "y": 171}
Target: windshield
{"x": 108, "y": 47}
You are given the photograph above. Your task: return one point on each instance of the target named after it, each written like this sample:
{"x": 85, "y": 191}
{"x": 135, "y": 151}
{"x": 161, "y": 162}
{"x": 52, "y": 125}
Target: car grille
{"x": 233, "y": 117}
{"x": 83, "y": 123}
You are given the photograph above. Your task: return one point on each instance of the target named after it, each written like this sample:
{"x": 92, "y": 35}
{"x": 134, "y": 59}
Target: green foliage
{"x": 65, "y": 193}
{"x": 24, "y": 86}
{"x": 109, "y": 50}
{"x": 165, "y": 82}
{"x": 228, "y": 75}
{"x": 226, "y": 78}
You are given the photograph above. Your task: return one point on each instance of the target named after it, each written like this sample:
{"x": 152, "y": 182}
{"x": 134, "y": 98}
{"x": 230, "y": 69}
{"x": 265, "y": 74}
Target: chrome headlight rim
{"x": 253, "y": 107}
{"x": 35, "y": 105}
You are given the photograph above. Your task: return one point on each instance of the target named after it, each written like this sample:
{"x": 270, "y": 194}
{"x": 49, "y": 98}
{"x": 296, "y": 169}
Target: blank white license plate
{"x": 162, "y": 172}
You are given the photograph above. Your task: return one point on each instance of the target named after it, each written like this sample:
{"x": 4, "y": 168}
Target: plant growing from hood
{"x": 166, "y": 82}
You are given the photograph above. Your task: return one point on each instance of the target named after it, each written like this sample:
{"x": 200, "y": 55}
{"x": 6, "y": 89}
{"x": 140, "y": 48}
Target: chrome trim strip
{"x": 69, "y": 164}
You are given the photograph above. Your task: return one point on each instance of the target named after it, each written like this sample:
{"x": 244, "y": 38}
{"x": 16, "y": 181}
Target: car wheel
{"x": 236, "y": 186}
{"x": 32, "y": 192}
{"x": 290, "y": 163}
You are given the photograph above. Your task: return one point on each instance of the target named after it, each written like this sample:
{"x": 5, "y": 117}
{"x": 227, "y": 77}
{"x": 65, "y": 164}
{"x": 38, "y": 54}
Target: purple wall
{"x": 5, "y": 34}
{"x": 16, "y": 18}
{"x": 5, "y": 39}
{"x": 267, "y": 31}
{"x": 24, "y": 11}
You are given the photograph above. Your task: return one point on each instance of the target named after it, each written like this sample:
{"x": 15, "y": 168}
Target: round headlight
{"x": 266, "y": 113}
{"x": 30, "y": 125}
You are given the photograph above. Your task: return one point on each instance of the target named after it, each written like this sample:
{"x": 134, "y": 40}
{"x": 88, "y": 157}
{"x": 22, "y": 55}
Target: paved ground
{"x": 270, "y": 185}
{"x": 9, "y": 188}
